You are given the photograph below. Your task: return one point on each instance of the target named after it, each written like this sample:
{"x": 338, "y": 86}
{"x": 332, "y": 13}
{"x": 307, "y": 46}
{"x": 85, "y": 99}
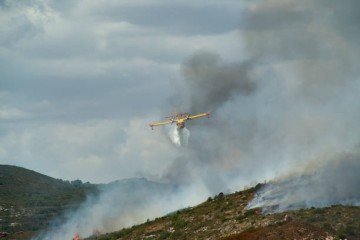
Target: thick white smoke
{"x": 335, "y": 181}
{"x": 294, "y": 99}
{"x": 123, "y": 204}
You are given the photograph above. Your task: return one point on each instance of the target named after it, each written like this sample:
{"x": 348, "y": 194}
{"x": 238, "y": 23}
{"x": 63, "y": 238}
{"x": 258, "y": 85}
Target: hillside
{"x": 32, "y": 203}
{"x": 226, "y": 217}
{"x": 30, "y": 200}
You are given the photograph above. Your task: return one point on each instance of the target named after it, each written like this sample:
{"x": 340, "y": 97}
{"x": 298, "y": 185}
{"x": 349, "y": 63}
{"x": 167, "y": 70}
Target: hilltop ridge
{"x": 30, "y": 201}
{"x": 226, "y": 217}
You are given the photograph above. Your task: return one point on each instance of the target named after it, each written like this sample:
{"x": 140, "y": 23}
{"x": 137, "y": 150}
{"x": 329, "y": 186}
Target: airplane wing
{"x": 160, "y": 123}
{"x": 199, "y": 115}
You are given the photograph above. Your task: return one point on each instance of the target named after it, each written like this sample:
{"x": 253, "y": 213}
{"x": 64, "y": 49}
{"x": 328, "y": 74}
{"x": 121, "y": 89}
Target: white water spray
{"x": 180, "y": 137}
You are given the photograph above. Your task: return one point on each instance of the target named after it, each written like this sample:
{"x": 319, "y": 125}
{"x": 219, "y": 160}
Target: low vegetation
{"x": 226, "y": 217}
{"x": 29, "y": 201}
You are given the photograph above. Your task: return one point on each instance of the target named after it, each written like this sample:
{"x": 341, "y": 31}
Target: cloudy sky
{"x": 80, "y": 80}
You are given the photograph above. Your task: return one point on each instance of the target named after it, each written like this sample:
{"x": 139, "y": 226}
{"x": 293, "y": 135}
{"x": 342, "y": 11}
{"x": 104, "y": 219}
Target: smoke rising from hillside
{"x": 333, "y": 182}
{"x": 311, "y": 45}
{"x": 122, "y": 204}
{"x": 293, "y": 102}
{"x": 209, "y": 83}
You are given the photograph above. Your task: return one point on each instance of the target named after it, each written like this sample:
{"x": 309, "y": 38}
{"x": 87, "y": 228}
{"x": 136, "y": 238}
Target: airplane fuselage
{"x": 180, "y": 124}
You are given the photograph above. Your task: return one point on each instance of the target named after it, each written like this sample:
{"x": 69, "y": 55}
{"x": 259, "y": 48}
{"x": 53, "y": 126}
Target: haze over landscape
{"x": 81, "y": 80}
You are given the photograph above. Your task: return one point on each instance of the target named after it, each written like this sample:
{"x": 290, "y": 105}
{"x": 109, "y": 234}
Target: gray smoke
{"x": 293, "y": 101}
{"x": 210, "y": 82}
{"x": 333, "y": 182}
{"x": 313, "y": 45}
{"x": 121, "y": 204}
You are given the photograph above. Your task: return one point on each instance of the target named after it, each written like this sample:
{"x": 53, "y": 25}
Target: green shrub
{"x": 350, "y": 230}
{"x": 319, "y": 211}
{"x": 327, "y": 226}
{"x": 178, "y": 223}
{"x": 164, "y": 235}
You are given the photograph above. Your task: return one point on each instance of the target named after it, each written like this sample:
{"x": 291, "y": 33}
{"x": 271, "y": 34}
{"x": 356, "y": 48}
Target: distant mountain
{"x": 30, "y": 200}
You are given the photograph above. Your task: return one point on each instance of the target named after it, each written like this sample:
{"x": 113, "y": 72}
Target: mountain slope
{"x": 29, "y": 203}
{"x": 226, "y": 217}
{"x": 30, "y": 200}
{"x": 33, "y": 204}
{"x": 120, "y": 203}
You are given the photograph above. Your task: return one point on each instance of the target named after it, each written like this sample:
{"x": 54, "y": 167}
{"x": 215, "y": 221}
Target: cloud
{"x": 77, "y": 74}
{"x": 207, "y": 18}
{"x": 68, "y": 54}
{"x": 67, "y": 147}
{"x": 11, "y": 113}
{"x": 100, "y": 150}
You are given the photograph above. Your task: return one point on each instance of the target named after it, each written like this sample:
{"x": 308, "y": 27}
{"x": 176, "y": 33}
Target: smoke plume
{"x": 210, "y": 82}
{"x": 293, "y": 102}
{"x": 333, "y": 182}
{"x": 121, "y": 204}
{"x": 290, "y": 103}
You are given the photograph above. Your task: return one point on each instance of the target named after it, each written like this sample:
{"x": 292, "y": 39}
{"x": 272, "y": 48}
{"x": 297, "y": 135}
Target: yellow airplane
{"x": 179, "y": 119}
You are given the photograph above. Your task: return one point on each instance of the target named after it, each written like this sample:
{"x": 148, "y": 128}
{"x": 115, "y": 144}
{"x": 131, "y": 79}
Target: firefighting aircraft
{"x": 179, "y": 119}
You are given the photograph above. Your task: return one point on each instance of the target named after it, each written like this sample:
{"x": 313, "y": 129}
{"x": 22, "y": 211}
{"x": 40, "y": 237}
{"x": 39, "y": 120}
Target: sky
{"x": 81, "y": 80}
